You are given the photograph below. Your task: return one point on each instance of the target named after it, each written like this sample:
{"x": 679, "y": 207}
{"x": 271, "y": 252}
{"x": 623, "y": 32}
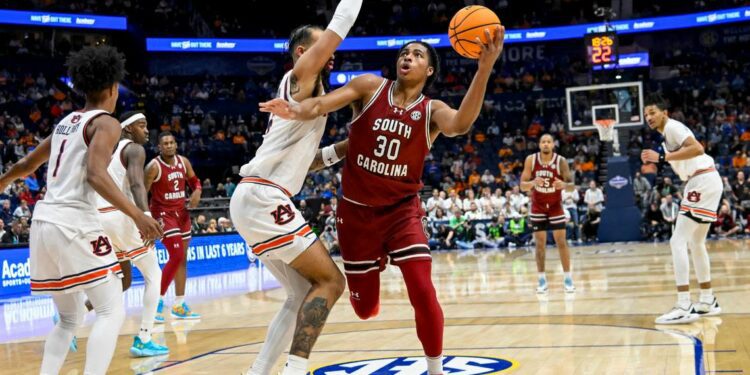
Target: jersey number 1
{"x": 59, "y": 157}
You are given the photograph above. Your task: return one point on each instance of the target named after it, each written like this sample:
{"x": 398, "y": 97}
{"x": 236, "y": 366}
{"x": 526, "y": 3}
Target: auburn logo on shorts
{"x": 694, "y": 196}
{"x": 101, "y": 246}
{"x": 283, "y": 214}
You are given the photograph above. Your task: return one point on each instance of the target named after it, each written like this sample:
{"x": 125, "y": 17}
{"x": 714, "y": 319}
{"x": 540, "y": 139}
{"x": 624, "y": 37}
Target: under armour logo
{"x": 340, "y": 220}
{"x": 399, "y": 111}
{"x": 354, "y": 295}
{"x": 330, "y": 160}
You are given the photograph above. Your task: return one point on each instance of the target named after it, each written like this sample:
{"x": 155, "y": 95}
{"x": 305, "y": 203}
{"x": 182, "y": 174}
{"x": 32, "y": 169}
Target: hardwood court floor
{"x": 491, "y": 310}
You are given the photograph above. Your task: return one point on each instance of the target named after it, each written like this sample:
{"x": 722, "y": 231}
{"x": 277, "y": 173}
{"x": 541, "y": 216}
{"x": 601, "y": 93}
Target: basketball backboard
{"x": 620, "y": 102}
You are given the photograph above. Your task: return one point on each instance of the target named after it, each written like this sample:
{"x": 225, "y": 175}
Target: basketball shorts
{"x": 123, "y": 234}
{"x": 175, "y": 223}
{"x": 268, "y": 221}
{"x": 547, "y": 216}
{"x": 702, "y": 196}
{"x": 68, "y": 259}
{"x": 371, "y": 236}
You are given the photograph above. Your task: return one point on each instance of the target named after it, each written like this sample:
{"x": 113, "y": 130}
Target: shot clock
{"x": 601, "y": 48}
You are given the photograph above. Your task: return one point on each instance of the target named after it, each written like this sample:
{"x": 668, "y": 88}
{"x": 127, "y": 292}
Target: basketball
{"x": 468, "y": 24}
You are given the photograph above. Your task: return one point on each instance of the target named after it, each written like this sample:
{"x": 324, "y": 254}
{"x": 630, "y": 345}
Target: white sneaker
{"x": 542, "y": 288}
{"x": 707, "y": 309}
{"x": 678, "y": 315}
{"x": 568, "y": 285}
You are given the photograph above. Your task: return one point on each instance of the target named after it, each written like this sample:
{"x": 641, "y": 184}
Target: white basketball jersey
{"x": 70, "y": 199}
{"x": 119, "y": 174}
{"x": 288, "y": 147}
{"x": 675, "y": 133}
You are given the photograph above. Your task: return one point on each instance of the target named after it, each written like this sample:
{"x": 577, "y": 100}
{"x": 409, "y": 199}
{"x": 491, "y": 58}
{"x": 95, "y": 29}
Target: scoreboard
{"x": 601, "y": 48}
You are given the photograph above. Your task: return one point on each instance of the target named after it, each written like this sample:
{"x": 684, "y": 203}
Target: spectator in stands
{"x": 517, "y": 199}
{"x": 667, "y": 188}
{"x": 518, "y": 231}
{"x": 6, "y": 214}
{"x": 221, "y": 191}
{"x": 641, "y": 186}
{"x": 725, "y": 226}
{"x": 230, "y": 186}
{"x": 330, "y": 239}
{"x": 594, "y": 196}
{"x": 208, "y": 189}
{"x": 591, "y": 223}
{"x": 470, "y": 198}
{"x": 22, "y": 210}
{"x": 669, "y": 210}
{"x": 570, "y": 204}
{"x": 473, "y": 213}
{"x": 306, "y": 211}
{"x": 453, "y": 201}
{"x": 654, "y": 226}
{"x": 433, "y": 203}
{"x": 212, "y": 227}
{"x": 225, "y": 225}
{"x": 496, "y": 231}
{"x": 15, "y": 235}
{"x": 444, "y": 238}
{"x": 487, "y": 178}
{"x": 199, "y": 224}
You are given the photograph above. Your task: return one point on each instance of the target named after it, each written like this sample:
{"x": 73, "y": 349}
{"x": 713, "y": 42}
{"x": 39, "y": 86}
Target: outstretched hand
{"x": 278, "y": 107}
{"x": 559, "y": 184}
{"x": 494, "y": 46}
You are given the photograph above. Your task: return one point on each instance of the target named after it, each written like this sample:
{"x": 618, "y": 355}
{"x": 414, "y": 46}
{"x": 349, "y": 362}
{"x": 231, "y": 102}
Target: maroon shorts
{"x": 547, "y": 216}
{"x": 175, "y": 223}
{"x": 368, "y": 236}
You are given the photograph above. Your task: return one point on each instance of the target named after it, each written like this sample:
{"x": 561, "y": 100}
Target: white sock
{"x": 542, "y": 275}
{"x": 707, "y": 295}
{"x": 434, "y": 365}
{"x": 683, "y": 299}
{"x": 56, "y": 347}
{"x": 281, "y": 329}
{"x": 569, "y": 275}
{"x": 179, "y": 300}
{"x": 295, "y": 365}
{"x": 110, "y": 314}
{"x": 149, "y": 267}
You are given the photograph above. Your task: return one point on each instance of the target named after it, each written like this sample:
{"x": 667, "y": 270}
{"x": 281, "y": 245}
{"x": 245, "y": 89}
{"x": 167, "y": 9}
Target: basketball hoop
{"x": 606, "y": 129}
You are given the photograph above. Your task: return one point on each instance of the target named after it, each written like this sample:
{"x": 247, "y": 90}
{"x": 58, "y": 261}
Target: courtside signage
{"x": 546, "y": 34}
{"x": 464, "y": 365}
{"x": 79, "y": 21}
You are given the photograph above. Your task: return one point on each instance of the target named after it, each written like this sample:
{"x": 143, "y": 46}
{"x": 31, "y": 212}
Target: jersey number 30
{"x": 388, "y": 148}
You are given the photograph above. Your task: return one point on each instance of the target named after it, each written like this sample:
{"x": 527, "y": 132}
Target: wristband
{"x": 147, "y": 213}
{"x": 662, "y": 158}
{"x": 344, "y": 17}
{"x": 329, "y": 155}
{"x": 195, "y": 183}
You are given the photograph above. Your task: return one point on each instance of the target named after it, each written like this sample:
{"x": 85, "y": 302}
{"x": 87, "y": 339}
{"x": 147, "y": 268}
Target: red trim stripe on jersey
{"x": 281, "y": 241}
{"x": 702, "y": 171}
{"x": 86, "y": 139}
{"x": 699, "y": 211}
{"x": 133, "y": 254}
{"x": 108, "y": 209}
{"x": 78, "y": 279}
{"x": 262, "y": 181}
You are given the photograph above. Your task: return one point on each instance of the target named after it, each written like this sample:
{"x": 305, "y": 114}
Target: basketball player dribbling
{"x": 265, "y": 215}
{"x": 391, "y": 134}
{"x": 698, "y": 209}
{"x": 70, "y": 254}
{"x": 167, "y": 178}
{"x": 546, "y": 174}
{"x": 126, "y": 169}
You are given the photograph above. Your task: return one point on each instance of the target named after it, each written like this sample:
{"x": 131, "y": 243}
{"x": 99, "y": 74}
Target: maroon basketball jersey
{"x": 546, "y": 194}
{"x": 387, "y": 148}
{"x": 168, "y": 191}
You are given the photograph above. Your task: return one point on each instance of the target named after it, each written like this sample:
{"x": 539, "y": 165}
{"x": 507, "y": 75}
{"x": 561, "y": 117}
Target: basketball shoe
{"x": 707, "y": 308}
{"x": 568, "y": 285}
{"x": 183, "y": 312}
{"x": 541, "y": 287}
{"x": 148, "y": 349}
{"x": 678, "y": 315}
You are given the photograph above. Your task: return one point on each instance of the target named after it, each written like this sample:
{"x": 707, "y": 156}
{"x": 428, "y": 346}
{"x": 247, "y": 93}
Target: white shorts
{"x": 268, "y": 220}
{"x": 125, "y": 236}
{"x": 702, "y": 197}
{"x": 66, "y": 260}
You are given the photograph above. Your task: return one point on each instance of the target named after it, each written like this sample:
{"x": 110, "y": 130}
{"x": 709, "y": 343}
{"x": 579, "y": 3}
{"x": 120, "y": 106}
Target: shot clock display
{"x": 601, "y": 48}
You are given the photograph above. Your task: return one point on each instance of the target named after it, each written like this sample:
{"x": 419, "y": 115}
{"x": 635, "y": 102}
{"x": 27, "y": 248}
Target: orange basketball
{"x": 468, "y": 24}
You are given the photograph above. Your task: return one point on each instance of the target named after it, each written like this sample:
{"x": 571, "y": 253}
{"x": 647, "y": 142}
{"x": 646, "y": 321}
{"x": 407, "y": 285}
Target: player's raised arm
{"x": 28, "y": 164}
{"x": 453, "y": 122}
{"x": 526, "y": 182}
{"x": 356, "y": 90}
{"x": 309, "y": 64}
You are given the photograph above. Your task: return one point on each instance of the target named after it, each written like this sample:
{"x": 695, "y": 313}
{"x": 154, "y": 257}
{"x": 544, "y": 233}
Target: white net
{"x": 606, "y": 130}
